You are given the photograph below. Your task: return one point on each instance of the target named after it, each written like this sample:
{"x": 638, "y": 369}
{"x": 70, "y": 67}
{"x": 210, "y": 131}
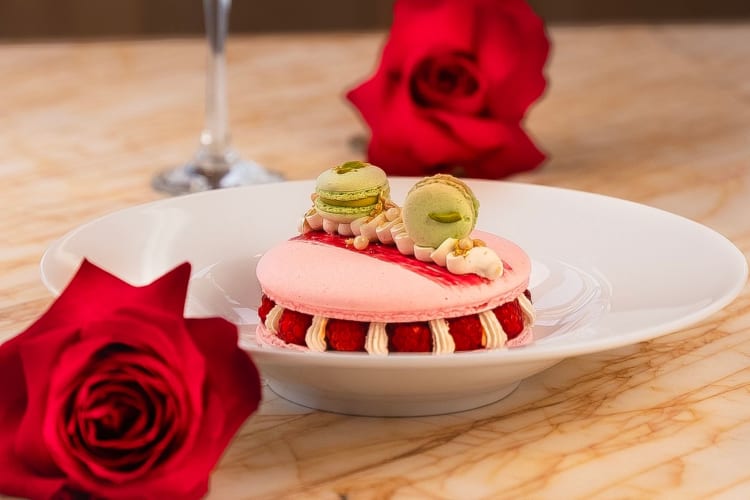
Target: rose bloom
{"x": 113, "y": 394}
{"x": 455, "y": 80}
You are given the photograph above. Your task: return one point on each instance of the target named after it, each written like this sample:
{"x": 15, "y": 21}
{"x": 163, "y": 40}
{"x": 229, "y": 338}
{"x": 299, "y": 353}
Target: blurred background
{"x": 41, "y": 19}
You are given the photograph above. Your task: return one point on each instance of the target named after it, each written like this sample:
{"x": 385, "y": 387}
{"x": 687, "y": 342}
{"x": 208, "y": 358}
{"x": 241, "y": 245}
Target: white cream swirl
{"x": 273, "y": 318}
{"x": 315, "y": 337}
{"x": 376, "y": 341}
{"x": 442, "y": 341}
{"x": 479, "y": 260}
{"x": 528, "y": 309}
{"x": 493, "y": 335}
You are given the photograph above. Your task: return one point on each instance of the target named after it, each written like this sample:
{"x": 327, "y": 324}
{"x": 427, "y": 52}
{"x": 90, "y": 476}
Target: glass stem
{"x": 215, "y": 136}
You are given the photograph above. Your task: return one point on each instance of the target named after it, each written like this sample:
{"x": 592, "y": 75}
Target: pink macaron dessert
{"x": 365, "y": 274}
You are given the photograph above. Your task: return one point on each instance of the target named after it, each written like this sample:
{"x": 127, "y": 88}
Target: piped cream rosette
{"x": 434, "y": 226}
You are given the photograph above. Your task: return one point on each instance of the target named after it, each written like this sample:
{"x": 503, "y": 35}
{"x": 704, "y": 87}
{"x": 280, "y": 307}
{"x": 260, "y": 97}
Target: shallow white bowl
{"x": 606, "y": 273}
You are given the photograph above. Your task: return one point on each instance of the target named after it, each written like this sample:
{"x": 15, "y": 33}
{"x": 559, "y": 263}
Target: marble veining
{"x": 658, "y": 115}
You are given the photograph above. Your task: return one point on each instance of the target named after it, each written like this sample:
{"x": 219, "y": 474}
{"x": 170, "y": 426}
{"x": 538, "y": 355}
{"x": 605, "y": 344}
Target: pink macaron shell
{"x": 334, "y": 282}
{"x": 525, "y": 337}
{"x": 267, "y": 339}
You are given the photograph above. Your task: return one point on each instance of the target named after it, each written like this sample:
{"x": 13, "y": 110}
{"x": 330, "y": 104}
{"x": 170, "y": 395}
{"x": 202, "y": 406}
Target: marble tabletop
{"x": 655, "y": 114}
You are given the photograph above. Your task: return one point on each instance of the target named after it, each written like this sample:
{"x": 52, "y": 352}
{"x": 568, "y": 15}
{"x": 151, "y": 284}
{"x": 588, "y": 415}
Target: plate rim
{"x": 525, "y": 354}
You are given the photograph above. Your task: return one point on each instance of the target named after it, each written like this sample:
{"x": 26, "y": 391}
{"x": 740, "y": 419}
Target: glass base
{"x": 206, "y": 173}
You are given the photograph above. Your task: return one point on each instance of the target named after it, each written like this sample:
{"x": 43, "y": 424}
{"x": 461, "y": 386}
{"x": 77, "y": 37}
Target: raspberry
{"x": 510, "y": 317}
{"x": 293, "y": 326}
{"x": 409, "y": 337}
{"x": 466, "y": 332}
{"x": 345, "y": 335}
{"x": 266, "y": 304}
{"x": 527, "y": 293}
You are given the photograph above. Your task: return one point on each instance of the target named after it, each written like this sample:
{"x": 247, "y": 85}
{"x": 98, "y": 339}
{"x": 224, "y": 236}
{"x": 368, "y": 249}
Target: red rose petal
{"x": 475, "y": 132}
{"x": 36, "y": 355}
{"x": 40, "y": 353}
{"x": 101, "y": 349}
{"x": 521, "y": 156}
{"x": 449, "y": 81}
{"x": 93, "y": 293}
{"x": 108, "y": 405}
{"x": 518, "y": 86}
{"x": 397, "y": 159}
{"x": 150, "y": 392}
{"x": 107, "y": 370}
{"x": 235, "y": 393}
{"x": 24, "y": 472}
{"x": 415, "y": 131}
{"x": 420, "y": 27}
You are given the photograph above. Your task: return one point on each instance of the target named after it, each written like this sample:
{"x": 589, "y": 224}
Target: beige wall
{"x": 85, "y": 18}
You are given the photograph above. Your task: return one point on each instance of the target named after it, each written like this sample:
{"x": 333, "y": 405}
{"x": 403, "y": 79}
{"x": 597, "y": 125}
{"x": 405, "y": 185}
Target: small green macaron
{"x": 351, "y": 190}
{"x": 438, "y": 208}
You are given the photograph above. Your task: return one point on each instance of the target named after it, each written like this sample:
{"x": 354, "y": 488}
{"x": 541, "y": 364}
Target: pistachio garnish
{"x": 445, "y": 217}
{"x": 349, "y": 166}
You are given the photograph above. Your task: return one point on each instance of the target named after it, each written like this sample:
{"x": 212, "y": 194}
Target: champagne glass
{"x": 215, "y": 164}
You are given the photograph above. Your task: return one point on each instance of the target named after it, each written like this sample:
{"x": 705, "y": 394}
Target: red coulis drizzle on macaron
{"x": 390, "y": 253}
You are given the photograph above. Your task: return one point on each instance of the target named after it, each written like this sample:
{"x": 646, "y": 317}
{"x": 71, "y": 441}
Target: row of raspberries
{"x": 346, "y": 335}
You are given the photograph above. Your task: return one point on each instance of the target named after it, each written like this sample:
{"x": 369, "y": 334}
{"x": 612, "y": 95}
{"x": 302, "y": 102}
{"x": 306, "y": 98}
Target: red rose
{"x": 113, "y": 394}
{"x": 454, "y": 83}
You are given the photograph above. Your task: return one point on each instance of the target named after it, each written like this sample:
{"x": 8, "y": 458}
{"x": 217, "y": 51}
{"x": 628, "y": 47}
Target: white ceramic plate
{"x": 607, "y": 273}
